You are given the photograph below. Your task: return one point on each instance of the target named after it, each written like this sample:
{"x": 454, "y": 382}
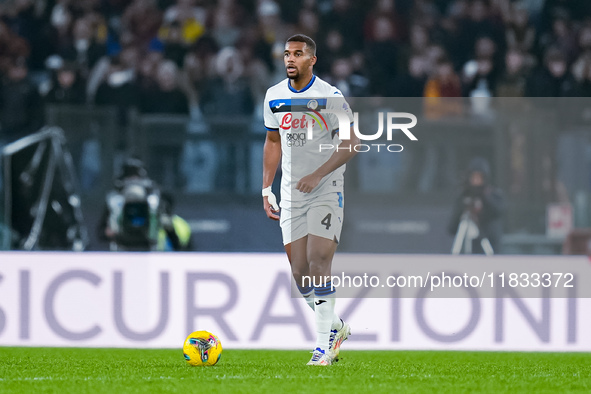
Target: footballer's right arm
{"x": 271, "y": 158}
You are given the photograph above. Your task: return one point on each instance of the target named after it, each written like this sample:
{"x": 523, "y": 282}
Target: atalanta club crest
{"x": 312, "y": 104}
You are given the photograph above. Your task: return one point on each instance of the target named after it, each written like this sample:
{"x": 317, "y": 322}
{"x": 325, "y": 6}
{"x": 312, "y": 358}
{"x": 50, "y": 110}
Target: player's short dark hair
{"x": 310, "y": 44}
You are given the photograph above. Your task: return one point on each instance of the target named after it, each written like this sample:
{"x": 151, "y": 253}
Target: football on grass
{"x": 202, "y": 348}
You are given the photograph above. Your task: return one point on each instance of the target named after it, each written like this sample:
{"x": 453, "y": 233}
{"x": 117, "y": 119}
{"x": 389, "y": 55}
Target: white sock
{"x": 337, "y": 323}
{"x": 324, "y": 313}
{"x": 308, "y": 294}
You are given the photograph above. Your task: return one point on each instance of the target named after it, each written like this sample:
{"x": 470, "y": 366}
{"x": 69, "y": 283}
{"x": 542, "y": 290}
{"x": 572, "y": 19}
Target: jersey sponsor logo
{"x": 279, "y": 105}
{"x": 287, "y": 122}
{"x": 296, "y": 139}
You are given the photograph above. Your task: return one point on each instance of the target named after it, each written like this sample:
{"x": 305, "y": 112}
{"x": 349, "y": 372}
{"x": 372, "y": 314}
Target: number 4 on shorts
{"x": 326, "y": 221}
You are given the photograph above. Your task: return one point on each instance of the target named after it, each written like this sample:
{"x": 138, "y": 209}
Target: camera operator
{"x": 482, "y": 204}
{"x": 131, "y": 218}
{"x": 175, "y": 234}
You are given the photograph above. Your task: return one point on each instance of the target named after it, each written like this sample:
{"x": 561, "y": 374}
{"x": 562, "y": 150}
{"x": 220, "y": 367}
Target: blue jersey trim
{"x": 271, "y": 129}
{"x": 304, "y": 88}
{"x": 279, "y": 103}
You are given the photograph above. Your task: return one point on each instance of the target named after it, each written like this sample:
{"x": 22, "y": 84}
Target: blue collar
{"x": 304, "y": 88}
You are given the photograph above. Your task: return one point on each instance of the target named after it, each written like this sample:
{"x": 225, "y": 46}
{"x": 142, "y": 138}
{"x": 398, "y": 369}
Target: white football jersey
{"x": 290, "y": 112}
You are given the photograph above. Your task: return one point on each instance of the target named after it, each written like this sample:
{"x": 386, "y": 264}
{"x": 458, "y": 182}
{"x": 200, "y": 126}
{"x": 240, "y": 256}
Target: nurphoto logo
{"x": 391, "y": 126}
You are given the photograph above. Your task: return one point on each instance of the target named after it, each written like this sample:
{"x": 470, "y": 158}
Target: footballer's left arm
{"x": 344, "y": 153}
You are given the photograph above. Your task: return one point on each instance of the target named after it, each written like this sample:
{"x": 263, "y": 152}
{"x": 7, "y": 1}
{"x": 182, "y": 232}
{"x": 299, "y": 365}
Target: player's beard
{"x": 295, "y": 76}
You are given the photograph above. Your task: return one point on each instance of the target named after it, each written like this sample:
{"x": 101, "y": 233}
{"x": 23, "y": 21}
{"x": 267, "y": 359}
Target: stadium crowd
{"x": 205, "y": 56}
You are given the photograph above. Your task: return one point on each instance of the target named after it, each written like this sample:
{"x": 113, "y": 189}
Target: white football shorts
{"x": 322, "y": 216}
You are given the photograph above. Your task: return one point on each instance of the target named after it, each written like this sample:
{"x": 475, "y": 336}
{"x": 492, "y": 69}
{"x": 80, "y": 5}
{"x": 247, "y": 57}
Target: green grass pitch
{"x": 74, "y": 370}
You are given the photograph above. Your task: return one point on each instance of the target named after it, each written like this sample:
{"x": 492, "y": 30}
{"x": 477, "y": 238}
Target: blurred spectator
{"x": 147, "y": 70}
{"x": 444, "y": 82}
{"x": 419, "y": 38}
{"x": 61, "y": 20}
{"x": 552, "y": 79}
{"x": 119, "y": 88}
{"x": 418, "y": 42}
{"x": 21, "y": 106}
{"x": 126, "y": 57}
{"x": 12, "y": 46}
{"x": 269, "y": 21}
{"x": 256, "y": 47}
{"x": 566, "y": 9}
{"x": 199, "y": 61}
{"x": 191, "y": 18}
{"x": 229, "y": 89}
{"x": 482, "y": 71}
{"x": 308, "y": 22}
{"x": 142, "y": 19}
{"x": 442, "y": 91}
{"x": 27, "y": 19}
{"x": 344, "y": 16}
{"x": 478, "y": 23}
{"x": 331, "y": 48}
{"x": 561, "y": 36}
{"x": 256, "y": 54}
{"x": 426, "y": 12}
{"x": 513, "y": 81}
{"x": 165, "y": 97}
{"x": 412, "y": 82}
{"x": 584, "y": 41}
{"x": 68, "y": 87}
{"x": 83, "y": 47}
{"x": 384, "y": 8}
{"x": 225, "y": 30}
{"x": 274, "y": 32}
{"x": 520, "y": 34}
{"x": 290, "y": 10}
{"x": 381, "y": 55}
{"x": 433, "y": 55}
{"x": 175, "y": 48}
{"x": 351, "y": 85}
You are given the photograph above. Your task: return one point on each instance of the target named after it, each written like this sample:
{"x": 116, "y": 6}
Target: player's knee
{"x": 320, "y": 257}
{"x": 320, "y": 265}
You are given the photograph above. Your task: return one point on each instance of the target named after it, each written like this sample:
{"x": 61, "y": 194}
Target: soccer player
{"x": 311, "y": 184}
